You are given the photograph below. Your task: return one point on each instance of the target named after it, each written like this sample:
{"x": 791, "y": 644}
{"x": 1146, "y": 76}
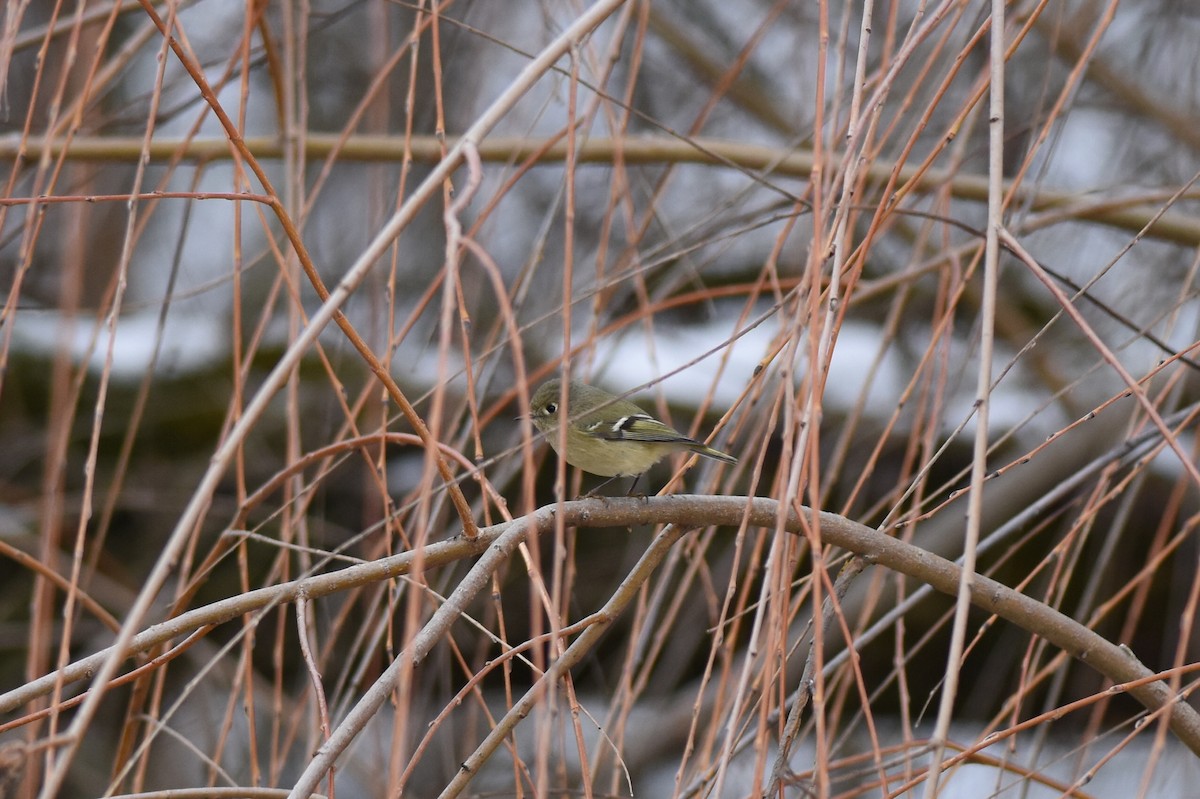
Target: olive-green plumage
{"x": 608, "y": 436}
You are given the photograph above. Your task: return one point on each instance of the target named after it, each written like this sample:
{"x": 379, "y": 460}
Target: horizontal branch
{"x": 1118, "y": 213}
{"x": 689, "y": 511}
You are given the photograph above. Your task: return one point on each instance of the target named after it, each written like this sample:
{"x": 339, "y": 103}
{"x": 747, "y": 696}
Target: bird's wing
{"x": 637, "y": 427}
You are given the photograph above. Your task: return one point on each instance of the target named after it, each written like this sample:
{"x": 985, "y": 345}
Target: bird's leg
{"x": 595, "y": 492}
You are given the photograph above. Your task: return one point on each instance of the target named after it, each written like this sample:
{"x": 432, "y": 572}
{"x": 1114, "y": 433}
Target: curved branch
{"x": 688, "y": 511}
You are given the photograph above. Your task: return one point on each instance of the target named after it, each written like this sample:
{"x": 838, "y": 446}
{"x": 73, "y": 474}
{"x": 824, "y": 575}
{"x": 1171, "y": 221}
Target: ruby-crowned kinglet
{"x": 608, "y": 436}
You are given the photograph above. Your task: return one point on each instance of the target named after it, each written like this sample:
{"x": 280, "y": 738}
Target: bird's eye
{"x": 551, "y": 408}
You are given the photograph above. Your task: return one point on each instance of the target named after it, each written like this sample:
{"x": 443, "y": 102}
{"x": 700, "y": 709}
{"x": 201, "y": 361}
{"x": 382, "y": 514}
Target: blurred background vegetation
{"x": 698, "y": 204}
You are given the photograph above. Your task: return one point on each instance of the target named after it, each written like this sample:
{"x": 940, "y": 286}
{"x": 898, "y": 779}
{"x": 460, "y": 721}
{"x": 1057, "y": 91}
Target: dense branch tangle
{"x": 690, "y": 512}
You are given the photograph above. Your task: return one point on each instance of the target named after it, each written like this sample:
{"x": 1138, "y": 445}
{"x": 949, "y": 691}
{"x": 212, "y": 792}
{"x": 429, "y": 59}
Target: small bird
{"x": 608, "y": 436}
